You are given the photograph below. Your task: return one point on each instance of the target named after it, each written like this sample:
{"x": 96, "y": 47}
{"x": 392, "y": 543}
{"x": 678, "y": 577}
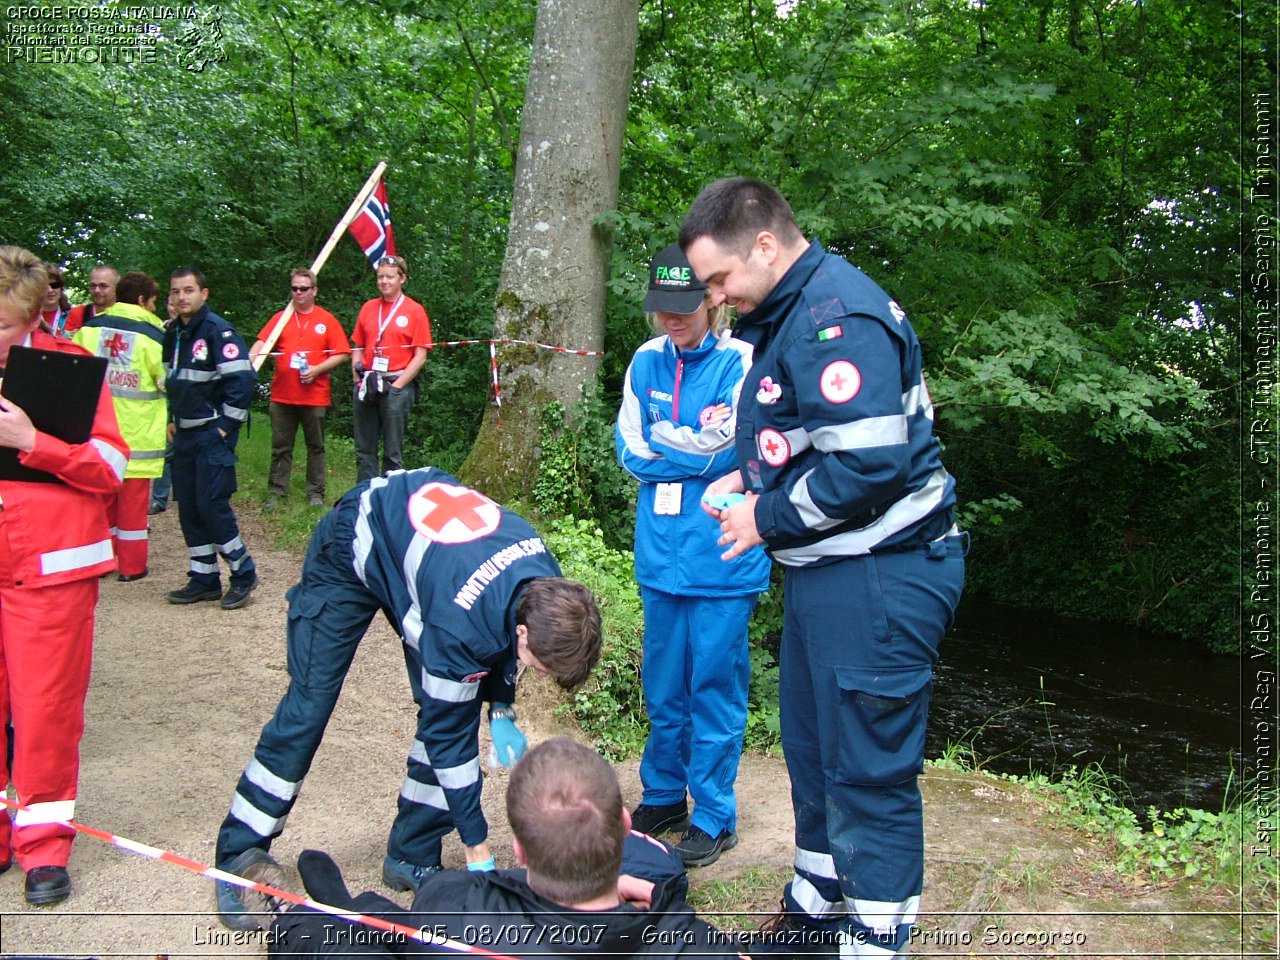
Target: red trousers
{"x": 46, "y": 648}
{"x": 127, "y": 514}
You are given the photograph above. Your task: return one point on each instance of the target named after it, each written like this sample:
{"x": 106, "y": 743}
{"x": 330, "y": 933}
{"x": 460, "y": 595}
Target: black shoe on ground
{"x": 192, "y": 593}
{"x": 237, "y": 596}
{"x": 46, "y": 885}
{"x": 785, "y": 934}
{"x": 156, "y": 507}
{"x": 130, "y": 577}
{"x": 231, "y": 901}
{"x": 656, "y": 818}
{"x": 402, "y": 875}
{"x": 697, "y": 848}
{"x": 322, "y": 879}
{"x": 264, "y": 907}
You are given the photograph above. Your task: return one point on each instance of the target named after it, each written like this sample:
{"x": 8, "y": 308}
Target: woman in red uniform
{"x": 48, "y": 590}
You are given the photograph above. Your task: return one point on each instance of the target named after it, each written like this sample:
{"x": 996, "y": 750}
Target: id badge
{"x": 667, "y": 501}
{"x": 381, "y": 364}
{"x": 298, "y": 360}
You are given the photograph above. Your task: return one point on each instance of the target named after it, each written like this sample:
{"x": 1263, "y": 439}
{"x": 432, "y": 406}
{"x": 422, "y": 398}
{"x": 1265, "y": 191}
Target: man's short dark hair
{"x": 193, "y": 272}
{"x": 564, "y": 628}
{"x": 565, "y": 807}
{"x": 733, "y": 211}
{"x": 136, "y": 287}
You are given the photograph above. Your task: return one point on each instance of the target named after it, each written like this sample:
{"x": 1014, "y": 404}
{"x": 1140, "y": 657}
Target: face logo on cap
{"x": 679, "y": 276}
{"x": 773, "y": 446}
{"x": 840, "y": 382}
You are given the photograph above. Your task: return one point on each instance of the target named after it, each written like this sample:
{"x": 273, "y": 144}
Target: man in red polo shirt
{"x": 102, "y": 295}
{"x": 311, "y": 344}
{"x": 391, "y": 339}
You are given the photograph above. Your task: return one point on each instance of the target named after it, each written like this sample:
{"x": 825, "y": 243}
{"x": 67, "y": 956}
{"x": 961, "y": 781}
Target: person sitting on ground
{"x": 587, "y": 885}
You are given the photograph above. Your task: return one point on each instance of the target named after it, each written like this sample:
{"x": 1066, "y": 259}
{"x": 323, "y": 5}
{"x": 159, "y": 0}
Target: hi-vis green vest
{"x": 131, "y": 338}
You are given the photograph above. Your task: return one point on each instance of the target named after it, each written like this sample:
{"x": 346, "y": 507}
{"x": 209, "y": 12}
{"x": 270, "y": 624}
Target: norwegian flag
{"x": 372, "y": 227}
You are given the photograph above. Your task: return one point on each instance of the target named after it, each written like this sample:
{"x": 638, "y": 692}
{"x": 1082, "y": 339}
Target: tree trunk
{"x": 552, "y": 288}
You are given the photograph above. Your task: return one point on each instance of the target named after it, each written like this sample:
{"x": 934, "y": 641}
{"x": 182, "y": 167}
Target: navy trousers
{"x": 204, "y": 478}
{"x": 859, "y": 642}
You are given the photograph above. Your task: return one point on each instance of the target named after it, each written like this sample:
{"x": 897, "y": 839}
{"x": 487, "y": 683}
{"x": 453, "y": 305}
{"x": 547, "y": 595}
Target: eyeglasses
{"x": 301, "y": 289}
{"x": 56, "y": 284}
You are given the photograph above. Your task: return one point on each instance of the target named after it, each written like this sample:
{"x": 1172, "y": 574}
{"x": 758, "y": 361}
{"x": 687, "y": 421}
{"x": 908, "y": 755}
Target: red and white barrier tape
{"x": 422, "y": 935}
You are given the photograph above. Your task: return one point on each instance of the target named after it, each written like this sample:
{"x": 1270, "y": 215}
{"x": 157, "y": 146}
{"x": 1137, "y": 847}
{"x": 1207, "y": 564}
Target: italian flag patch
{"x": 830, "y": 333}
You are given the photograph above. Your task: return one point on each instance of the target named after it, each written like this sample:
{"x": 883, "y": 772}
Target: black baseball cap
{"x": 672, "y": 286}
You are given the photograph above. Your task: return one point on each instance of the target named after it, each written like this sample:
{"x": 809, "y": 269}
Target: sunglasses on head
{"x": 301, "y": 289}
{"x": 391, "y": 262}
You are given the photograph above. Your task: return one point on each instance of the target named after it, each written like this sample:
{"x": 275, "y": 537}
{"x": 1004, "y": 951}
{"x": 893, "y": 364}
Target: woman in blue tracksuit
{"x": 675, "y": 435}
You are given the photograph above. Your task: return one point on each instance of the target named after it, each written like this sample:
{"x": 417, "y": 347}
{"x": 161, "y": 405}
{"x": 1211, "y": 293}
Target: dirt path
{"x": 179, "y": 695}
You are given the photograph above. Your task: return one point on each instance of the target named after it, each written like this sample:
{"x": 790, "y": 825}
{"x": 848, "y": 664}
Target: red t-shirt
{"x": 403, "y": 327}
{"x": 320, "y": 336}
{"x": 76, "y": 317}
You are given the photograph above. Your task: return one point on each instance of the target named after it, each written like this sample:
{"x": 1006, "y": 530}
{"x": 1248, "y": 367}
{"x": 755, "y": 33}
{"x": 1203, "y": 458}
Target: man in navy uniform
{"x": 473, "y": 592}
{"x": 844, "y": 484}
{"x": 210, "y": 384}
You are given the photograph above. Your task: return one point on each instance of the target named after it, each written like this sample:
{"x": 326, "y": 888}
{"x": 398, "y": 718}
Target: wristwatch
{"x": 502, "y": 713}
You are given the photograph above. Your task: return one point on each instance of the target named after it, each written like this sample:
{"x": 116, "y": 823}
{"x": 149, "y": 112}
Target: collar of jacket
{"x": 131, "y": 311}
{"x": 782, "y": 298}
{"x": 701, "y": 351}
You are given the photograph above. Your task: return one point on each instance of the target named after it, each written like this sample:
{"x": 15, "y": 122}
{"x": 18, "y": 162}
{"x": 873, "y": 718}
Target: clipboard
{"x": 59, "y": 391}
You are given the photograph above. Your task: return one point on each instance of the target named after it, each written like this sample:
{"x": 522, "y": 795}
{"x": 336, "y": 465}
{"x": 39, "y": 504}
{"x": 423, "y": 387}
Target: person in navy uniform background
{"x": 845, "y": 486}
{"x": 210, "y": 385}
{"x": 473, "y": 592}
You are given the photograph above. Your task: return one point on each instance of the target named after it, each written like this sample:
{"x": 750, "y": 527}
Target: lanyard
{"x": 382, "y": 324}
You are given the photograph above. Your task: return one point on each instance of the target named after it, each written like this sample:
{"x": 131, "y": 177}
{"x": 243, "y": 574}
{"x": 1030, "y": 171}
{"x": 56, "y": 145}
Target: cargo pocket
{"x": 304, "y": 667}
{"x": 882, "y": 723}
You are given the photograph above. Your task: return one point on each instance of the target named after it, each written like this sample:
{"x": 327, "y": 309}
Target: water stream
{"x": 1033, "y": 693}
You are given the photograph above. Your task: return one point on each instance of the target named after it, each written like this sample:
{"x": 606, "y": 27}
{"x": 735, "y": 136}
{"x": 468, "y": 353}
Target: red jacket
{"x": 57, "y": 532}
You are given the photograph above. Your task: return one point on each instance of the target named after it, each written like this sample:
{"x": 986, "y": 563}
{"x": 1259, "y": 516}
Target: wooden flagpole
{"x": 322, "y": 257}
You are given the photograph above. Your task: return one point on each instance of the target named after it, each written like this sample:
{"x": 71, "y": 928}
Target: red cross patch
{"x": 840, "y": 381}
{"x": 446, "y": 513}
{"x": 773, "y": 446}
{"x": 118, "y": 345}
{"x": 230, "y": 351}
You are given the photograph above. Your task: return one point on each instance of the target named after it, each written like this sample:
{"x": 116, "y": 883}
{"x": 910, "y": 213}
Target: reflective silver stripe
{"x": 883, "y": 915}
{"x": 463, "y": 775}
{"x": 418, "y": 752}
{"x": 51, "y": 811}
{"x": 917, "y": 400}
{"x": 201, "y": 550}
{"x": 188, "y": 424}
{"x": 450, "y": 691}
{"x": 810, "y": 515}
{"x": 196, "y": 376}
{"x": 116, "y": 460}
{"x": 910, "y": 509}
{"x": 121, "y": 393}
{"x": 421, "y": 793}
{"x": 264, "y": 779}
{"x": 411, "y": 623}
{"x": 816, "y": 864}
{"x": 129, "y": 534}
{"x": 197, "y": 566}
{"x": 234, "y": 366}
{"x": 238, "y": 562}
{"x": 861, "y": 434}
{"x": 855, "y": 949}
{"x": 235, "y": 413}
{"x": 146, "y": 454}
{"x": 263, "y": 824}
{"x": 232, "y": 545}
{"x": 362, "y": 546}
{"x": 75, "y": 558}
{"x": 811, "y": 902}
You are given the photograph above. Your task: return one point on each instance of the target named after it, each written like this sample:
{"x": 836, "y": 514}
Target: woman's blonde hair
{"x": 23, "y": 279}
{"x": 717, "y": 318}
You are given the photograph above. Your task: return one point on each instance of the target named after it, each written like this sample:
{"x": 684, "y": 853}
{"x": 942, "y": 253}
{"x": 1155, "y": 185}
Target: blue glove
{"x": 482, "y": 866}
{"x": 509, "y": 743}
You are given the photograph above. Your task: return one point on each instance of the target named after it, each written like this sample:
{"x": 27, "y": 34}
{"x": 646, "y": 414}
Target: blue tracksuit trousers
{"x": 695, "y": 674}
{"x": 860, "y": 639}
